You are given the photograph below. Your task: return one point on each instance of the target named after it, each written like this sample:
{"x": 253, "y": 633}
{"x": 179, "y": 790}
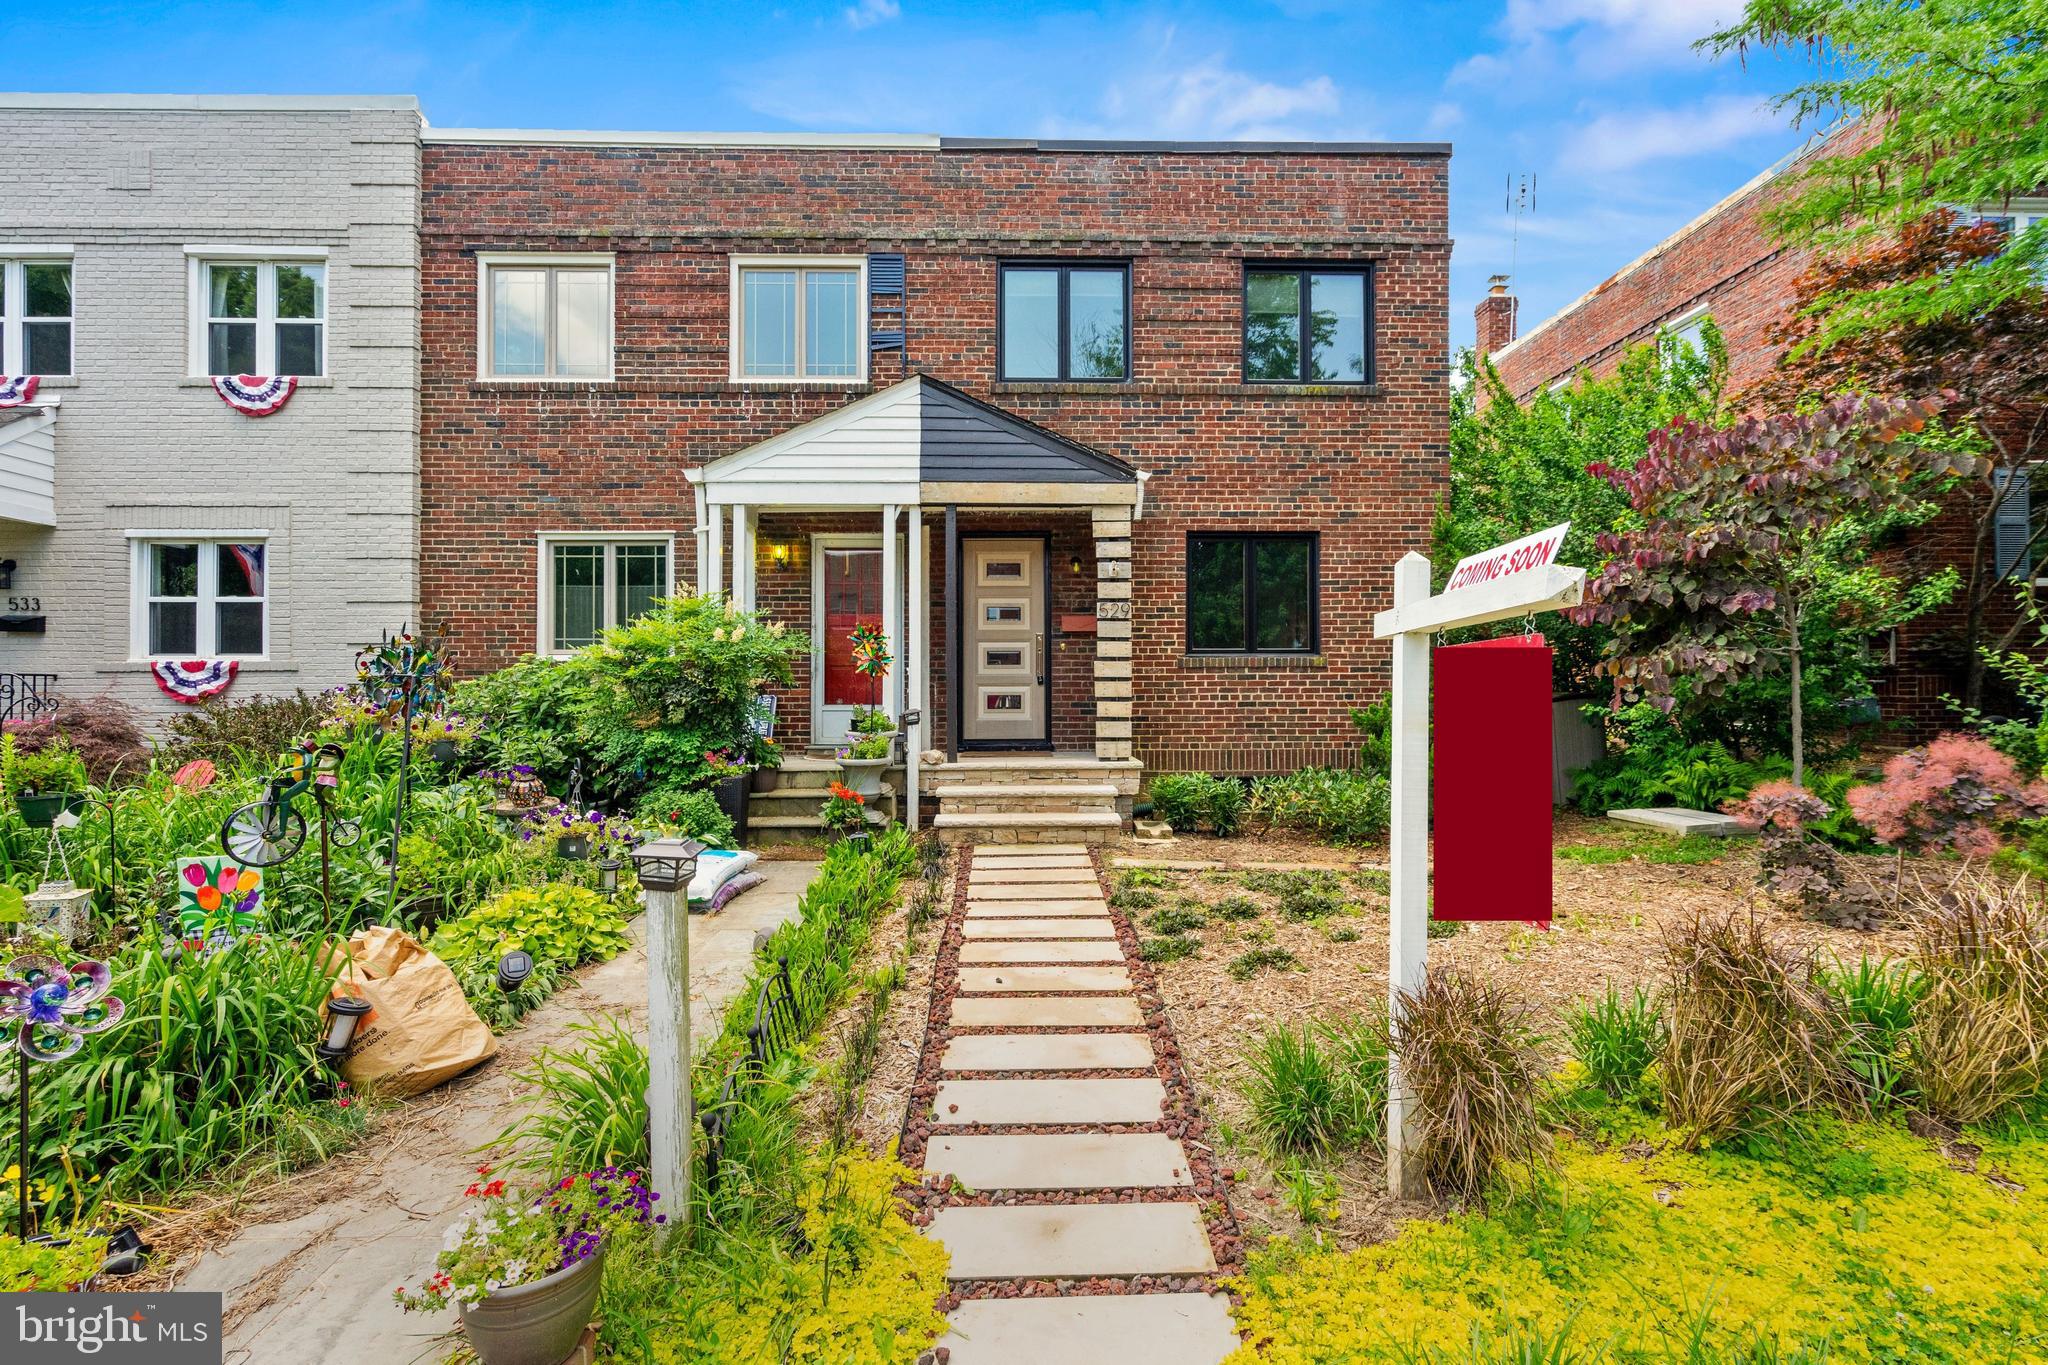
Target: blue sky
{"x": 1627, "y": 132}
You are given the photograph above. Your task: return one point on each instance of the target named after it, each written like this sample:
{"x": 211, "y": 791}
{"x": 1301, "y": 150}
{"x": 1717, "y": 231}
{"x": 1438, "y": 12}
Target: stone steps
{"x": 1092, "y": 827}
{"x": 1027, "y": 796}
{"x": 1073, "y": 1241}
{"x": 1060, "y": 1161}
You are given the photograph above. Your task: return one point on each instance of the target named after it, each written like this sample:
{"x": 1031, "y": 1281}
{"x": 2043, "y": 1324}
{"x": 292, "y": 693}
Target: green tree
{"x": 1743, "y": 533}
{"x": 1519, "y": 467}
{"x": 1953, "y": 99}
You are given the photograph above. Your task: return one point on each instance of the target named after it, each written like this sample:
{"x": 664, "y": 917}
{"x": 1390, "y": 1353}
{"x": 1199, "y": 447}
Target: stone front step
{"x": 1060, "y": 1161}
{"x": 1072, "y": 927}
{"x": 1092, "y": 827}
{"x": 983, "y": 953}
{"x": 1017, "y": 769}
{"x": 1059, "y": 980}
{"x": 1093, "y": 1329}
{"x": 1070, "y": 862}
{"x": 1073, "y": 1241}
{"x": 1046, "y": 1051}
{"x": 1049, "y": 1101}
{"x": 998, "y": 853}
{"x": 979, "y": 909}
{"x": 1025, "y": 1011}
{"x": 979, "y": 798}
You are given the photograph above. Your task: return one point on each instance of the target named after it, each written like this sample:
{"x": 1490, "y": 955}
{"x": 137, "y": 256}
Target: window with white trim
{"x": 2011, "y": 219}
{"x": 201, "y": 598}
{"x": 800, "y": 318}
{"x": 1684, "y": 333}
{"x": 35, "y": 317}
{"x": 263, "y": 317}
{"x": 545, "y": 317}
{"x": 589, "y": 586}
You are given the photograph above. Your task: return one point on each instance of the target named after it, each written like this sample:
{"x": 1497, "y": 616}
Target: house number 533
{"x": 24, "y": 604}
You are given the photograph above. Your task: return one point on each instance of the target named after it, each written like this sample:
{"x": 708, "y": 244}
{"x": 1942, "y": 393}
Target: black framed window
{"x": 1308, "y": 324}
{"x": 1252, "y": 593}
{"x": 1063, "y": 320}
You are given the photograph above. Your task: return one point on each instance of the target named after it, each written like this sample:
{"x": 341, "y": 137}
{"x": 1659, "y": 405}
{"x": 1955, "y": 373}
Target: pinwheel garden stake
{"x": 400, "y": 677}
{"x": 45, "y": 1013}
{"x": 871, "y": 656}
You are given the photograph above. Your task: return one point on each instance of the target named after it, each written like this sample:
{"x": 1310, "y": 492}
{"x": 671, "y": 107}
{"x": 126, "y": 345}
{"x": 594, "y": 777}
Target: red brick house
{"x": 1118, "y": 442}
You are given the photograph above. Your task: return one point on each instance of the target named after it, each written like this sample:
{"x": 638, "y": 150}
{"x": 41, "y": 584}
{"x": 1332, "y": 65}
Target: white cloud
{"x": 868, "y": 13}
{"x": 1212, "y": 100}
{"x": 1445, "y": 115}
{"x": 1624, "y": 140}
{"x": 1640, "y": 27}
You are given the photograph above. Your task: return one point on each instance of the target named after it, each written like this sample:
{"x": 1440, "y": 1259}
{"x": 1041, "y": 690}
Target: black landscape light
{"x": 608, "y": 875}
{"x": 344, "y": 1013}
{"x": 513, "y": 969}
{"x": 667, "y": 863}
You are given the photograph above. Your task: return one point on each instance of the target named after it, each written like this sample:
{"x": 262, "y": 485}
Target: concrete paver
{"x": 1012, "y": 891}
{"x": 1060, "y": 1161}
{"x": 1064, "y": 1100}
{"x": 1102, "y": 950}
{"x": 1093, "y": 1329}
{"x": 1071, "y": 926}
{"x": 1033, "y": 909}
{"x": 1047, "y": 1051}
{"x": 1025, "y": 876}
{"x": 1046, "y": 1241}
{"x": 1047, "y": 1011}
{"x": 1009, "y": 980}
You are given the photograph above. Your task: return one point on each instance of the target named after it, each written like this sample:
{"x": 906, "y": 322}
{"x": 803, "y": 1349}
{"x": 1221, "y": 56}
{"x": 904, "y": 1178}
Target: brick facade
{"x": 504, "y": 462}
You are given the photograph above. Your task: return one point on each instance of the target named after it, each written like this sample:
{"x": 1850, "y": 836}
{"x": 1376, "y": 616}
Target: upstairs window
{"x": 1252, "y": 593}
{"x": 1308, "y": 324}
{"x": 800, "y": 318}
{"x": 262, "y": 317}
{"x": 35, "y": 318}
{"x": 591, "y": 585}
{"x": 1061, "y": 321}
{"x": 201, "y": 599}
{"x": 1684, "y": 335}
{"x": 545, "y": 317}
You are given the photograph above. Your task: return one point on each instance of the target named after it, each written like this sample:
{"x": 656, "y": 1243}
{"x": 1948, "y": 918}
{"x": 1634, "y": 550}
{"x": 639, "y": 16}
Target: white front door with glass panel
{"x": 1003, "y": 641}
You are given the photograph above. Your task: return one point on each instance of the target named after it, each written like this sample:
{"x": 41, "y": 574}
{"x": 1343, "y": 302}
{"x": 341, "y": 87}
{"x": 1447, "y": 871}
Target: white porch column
{"x": 916, "y": 656}
{"x": 743, "y": 556}
{"x": 699, "y": 542}
{"x": 892, "y": 607}
{"x": 714, "y": 554}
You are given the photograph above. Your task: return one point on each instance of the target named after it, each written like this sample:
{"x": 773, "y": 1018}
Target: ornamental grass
{"x": 1978, "y": 1045}
{"x": 1470, "y": 1057}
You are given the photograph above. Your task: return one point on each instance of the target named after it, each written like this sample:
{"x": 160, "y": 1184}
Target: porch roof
{"x": 919, "y": 441}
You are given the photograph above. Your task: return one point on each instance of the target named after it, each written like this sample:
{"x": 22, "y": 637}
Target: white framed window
{"x": 2011, "y": 218}
{"x": 258, "y": 310}
{"x": 590, "y": 582}
{"x": 546, "y": 317}
{"x": 800, "y": 319}
{"x": 1684, "y": 333}
{"x": 200, "y": 596}
{"x": 35, "y": 311}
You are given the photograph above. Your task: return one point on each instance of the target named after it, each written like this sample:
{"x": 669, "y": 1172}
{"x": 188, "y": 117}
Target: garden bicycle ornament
{"x": 266, "y": 832}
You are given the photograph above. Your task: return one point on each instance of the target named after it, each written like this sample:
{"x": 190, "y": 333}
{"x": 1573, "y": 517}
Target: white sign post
{"x": 1487, "y": 594}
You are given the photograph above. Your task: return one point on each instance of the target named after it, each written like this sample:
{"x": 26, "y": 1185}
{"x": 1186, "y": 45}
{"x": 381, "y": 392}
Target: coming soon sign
{"x": 1492, "y": 827}
{"x": 1530, "y": 552}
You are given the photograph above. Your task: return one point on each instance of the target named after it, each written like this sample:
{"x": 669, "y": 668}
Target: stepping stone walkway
{"x": 1051, "y": 1115}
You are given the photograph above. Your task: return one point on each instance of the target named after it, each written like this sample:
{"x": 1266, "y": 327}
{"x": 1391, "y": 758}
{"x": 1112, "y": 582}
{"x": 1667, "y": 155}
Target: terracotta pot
{"x": 538, "y": 1323}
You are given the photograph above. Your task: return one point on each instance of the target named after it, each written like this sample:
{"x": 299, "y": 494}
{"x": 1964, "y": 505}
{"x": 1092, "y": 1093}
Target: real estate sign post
{"x": 1536, "y": 583}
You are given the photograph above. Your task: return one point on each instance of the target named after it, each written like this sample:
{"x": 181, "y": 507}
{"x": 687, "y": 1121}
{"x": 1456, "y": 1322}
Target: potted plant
{"x": 46, "y": 783}
{"x": 444, "y": 735}
{"x": 845, "y": 813}
{"x": 865, "y": 760}
{"x": 572, "y": 835}
{"x": 523, "y": 1270}
{"x": 727, "y": 775}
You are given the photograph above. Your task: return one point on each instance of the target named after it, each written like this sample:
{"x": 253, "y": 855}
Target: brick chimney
{"x": 1495, "y": 316}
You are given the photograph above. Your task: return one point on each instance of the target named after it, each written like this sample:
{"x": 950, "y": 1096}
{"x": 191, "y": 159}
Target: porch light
{"x": 608, "y": 875}
{"x": 1074, "y": 565}
{"x": 344, "y": 1013}
{"x": 667, "y": 864}
{"x": 513, "y": 969}
{"x": 779, "y": 551}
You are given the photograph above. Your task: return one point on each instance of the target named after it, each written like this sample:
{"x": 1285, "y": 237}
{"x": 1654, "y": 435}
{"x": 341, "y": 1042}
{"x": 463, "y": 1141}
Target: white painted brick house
{"x": 145, "y": 518}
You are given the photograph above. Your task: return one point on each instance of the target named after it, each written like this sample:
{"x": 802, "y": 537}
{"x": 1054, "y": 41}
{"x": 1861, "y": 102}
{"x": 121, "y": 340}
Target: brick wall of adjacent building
{"x": 503, "y": 462}
{"x": 129, "y": 183}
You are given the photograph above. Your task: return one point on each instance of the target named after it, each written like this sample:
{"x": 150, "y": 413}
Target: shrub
{"x": 1877, "y": 999}
{"x": 1616, "y": 1038}
{"x": 563, "y": 924}
{"x": 1753, "y": 1036}
{"x": 1310, "y": 900}
{"x": 690, "y": 812}
{"x": 1133, "y": 898}
{"x": 1375, "y": 724}
{"x": 1169, "y": 948}
{"x": 1338, "y": 805}
{"x": 1947, "y": 795}
{"x": 589, "y": 1103}
{"x": 1803, "y": 870}
{"x": 102, "y": 731}
{"x": 246, "y": 729}
{"x": 1187, "y": 801}
{"x": 1252, "y": 961}
{"x": 1472, "y": 1061}
{"x": 1980, "y": 1027}
{"x": 53, "y": 768}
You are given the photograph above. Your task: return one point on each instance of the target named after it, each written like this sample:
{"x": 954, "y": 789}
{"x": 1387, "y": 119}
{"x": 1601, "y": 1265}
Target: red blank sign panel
{"x": 1492, "y": 781}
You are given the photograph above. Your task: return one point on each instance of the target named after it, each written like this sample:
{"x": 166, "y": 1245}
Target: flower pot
{"x": 538, "y": 1323}
{"x": 574, "y": 847}
{"x": 863, "y": 776}
{"x": 41, "y": 811}
{"x": 445, "y": 751}
{"x": 731, "y": 795}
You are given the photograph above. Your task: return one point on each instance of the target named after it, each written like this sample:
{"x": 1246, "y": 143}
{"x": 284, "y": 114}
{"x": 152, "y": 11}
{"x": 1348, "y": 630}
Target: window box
{"x": 35, "y": 312}
{"x": 544, "y": 318}
{"x": 800, "y": 319}
{"x": 1308, "y": 323}
{"x": 1063, "y": 321}
{"x": 589, "y": 583}
{"x": 200, "y": 597}
{"x": 1252, "y": 593}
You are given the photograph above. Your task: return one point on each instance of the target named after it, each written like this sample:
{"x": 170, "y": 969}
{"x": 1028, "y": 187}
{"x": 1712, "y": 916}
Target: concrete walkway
{"x": 1039, "y": 950}
{"x": 312, "y": 1284}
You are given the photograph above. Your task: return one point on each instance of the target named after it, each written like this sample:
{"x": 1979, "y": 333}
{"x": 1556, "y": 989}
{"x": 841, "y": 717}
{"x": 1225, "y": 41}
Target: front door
{"x": 848, "y": 592}
{"x": 1004, "y": 639}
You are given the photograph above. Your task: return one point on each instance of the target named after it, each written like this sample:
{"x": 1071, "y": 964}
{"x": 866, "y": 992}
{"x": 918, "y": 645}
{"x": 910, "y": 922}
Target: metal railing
{"x": 24, "y": 696}
{"x": 778, "y": 1025}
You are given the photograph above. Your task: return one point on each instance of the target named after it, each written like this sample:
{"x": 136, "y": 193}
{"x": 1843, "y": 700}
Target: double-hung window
{"x": 1251, "y": 593}
{"x": 35, "y": 317}
{"x": 1684, "y": 333}
{"x": 2011, "y": 219}
{"x": 1064, "y": 321}
{"x": 1308, "y": 324}
{"x": 800, "y": 318}
{"x": 590, "y": 585}
{"x": 264, "y": 317}
{"x": 199, "y": 598}
{"x": 545, "y": 317}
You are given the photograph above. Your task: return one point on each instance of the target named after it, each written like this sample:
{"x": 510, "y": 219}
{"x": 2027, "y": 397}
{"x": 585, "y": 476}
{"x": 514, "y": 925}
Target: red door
{"x": 852, "y": 586}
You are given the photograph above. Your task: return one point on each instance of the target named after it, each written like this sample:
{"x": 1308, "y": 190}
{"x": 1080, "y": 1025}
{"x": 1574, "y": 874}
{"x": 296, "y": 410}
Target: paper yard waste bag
{"x": 420, "y": 1030}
